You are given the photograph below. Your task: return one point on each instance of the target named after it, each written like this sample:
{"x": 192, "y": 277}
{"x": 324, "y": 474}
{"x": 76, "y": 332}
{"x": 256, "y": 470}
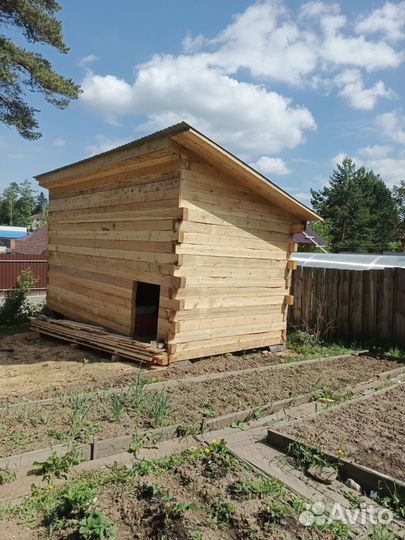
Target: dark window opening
{"x": 146, "y": 311}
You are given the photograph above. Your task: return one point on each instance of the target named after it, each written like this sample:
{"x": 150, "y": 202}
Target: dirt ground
{"x": 371, "y": 432}
{"x": 48, "y": 367}
{"x": 184, "y": 405}
{"x": 206, "y": 494}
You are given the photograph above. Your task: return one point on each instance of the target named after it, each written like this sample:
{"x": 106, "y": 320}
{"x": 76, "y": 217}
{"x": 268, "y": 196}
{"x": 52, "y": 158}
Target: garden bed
{"x": 202, "y": 493}
{"x": 368, "y": 431}
{"x": 124, "y": 412}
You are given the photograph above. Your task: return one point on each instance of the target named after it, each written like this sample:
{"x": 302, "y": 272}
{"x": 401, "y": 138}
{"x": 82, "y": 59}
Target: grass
{"x": 307, "y": 347}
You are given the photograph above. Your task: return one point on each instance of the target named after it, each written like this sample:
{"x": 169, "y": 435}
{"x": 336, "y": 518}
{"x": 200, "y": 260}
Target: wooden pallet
{"x": 97, "y": 337}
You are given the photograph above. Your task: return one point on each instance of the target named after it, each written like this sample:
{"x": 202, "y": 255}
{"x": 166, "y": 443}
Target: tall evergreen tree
{"x": 22, "y": 70}
{"x": 359, "y": 210}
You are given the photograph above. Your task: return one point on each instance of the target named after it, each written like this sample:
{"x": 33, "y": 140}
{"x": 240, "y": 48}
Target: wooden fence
{"x": 12, "y": 264}
{"x": 368, "y": 305}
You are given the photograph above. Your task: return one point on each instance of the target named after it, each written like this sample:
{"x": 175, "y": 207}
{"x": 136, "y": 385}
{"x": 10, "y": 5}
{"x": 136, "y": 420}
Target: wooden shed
{"x": 172, "y": 239}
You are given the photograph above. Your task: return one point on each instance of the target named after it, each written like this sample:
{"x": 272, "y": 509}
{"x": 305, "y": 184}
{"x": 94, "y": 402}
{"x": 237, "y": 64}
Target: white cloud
{"x": 169, "y": 89}
{"x": 269, "y": 165}
{"x": 59, "y": 142}
{"x": 207, "y": 86}
{"x": 103, "y": 143}
{"x": 86, "y": 60}
{"x": 387, "y": 20}
{"x": 352, "y": 89}
{"x": 376, "y": 151}
{"x": 392, "y": 126}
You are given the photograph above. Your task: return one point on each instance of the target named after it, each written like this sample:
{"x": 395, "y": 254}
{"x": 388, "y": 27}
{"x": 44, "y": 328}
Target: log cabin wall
{"x": 104, "y": 234}
{"x": 234, "y": 259}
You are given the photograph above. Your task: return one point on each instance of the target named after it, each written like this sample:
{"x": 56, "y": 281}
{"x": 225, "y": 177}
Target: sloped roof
{"x": 309, "y": 237}
{"x": 34, "y": 244}
{"x": 191, "y": 139}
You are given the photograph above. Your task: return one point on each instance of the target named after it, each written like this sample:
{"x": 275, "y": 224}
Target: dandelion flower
{"x": 341, "y": 452}
{"x": 207, "y": 451}
{"x": 50, "y": 486}
{"x": 214, "y": 441}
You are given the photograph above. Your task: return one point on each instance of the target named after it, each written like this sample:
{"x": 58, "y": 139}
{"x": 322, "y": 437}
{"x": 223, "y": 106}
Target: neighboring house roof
{"x": 34, "y": 244}
{"x": 9, "y": 231}
{"x": 191, "y": 139}
{"x": 11, "y": 234}
{"x": 309, "y": 237}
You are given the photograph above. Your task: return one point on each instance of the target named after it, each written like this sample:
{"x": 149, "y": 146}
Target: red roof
{"x": 34, "y": 244}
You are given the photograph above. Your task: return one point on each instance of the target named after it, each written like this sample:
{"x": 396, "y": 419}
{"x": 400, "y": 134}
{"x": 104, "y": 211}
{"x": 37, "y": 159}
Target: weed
{"x": 222, "y": 512}
{"x": 138, "y": 442}
{"x": 396, "y": 352}
{"x": 117, "y": 402}
{"x": 188, "y": 430}
{"x": 340, "y": 530}
{"x": 57, "y": 465}
{"x": 379, "y": 532}
{"x": 354, "y": 500}
{"x": 274, "y": 512}
{"x": 307, "y": 346}
{"x": 117, "y": 474}
{"x": 305, "y": 456}
{"x": 96, "y": 526}
{"x": 208, "y": 413}
{"x": 76, "y": 499}
{"x": 394, "y": 500}
{"x": 160, "y": 406}
{"x": 250, "y": 488}
{"x": 6, "y": 476}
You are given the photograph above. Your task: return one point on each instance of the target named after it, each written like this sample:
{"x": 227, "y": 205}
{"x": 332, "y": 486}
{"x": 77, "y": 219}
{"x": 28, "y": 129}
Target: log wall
{"x": 106, "y": 233}
{"x": 233, "y": 252}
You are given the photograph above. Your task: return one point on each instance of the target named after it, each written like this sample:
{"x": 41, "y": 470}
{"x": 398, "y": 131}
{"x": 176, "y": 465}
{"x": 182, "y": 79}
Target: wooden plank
{"x": 399, "y": 308}
{"x": 355, "y": 305}
{"x": 387, "y": 307}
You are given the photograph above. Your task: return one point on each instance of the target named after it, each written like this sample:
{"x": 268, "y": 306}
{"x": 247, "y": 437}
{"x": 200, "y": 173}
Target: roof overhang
{"x": 157, "y": 147}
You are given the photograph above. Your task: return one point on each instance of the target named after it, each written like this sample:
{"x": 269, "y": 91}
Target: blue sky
{"x": 290, "y": 87}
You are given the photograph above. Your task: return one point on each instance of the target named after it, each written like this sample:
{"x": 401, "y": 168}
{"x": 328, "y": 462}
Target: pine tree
{"x": 399, "y": 196}
{"x": 22, "y": 70}
{"x": 359, "y": 210}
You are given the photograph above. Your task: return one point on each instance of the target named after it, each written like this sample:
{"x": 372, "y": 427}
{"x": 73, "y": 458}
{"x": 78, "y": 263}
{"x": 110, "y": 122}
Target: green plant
{"x": 117, "y": 402}
{"x": 394, "y": 500}
{"x": 138, "y": 442}
{"x": 306, "y": 456}
{"x": 16, "y": 308}
{"x": 222, "y": 511}
{"x": 57, "y": 465}
{"x": 6, "y": 476}
{"x": 250, "y": 488}
{"x": 274, "y": 511}
{"x": 80, "y": 427}
{"x": 160, "y": 406}
{"x": 96, "y": 526}
{"x": 396, "y": 352}
{"x": 137, "y": 392}
{"x": 76, "y": 499}
{"x": 354, "y": 500}
{"x": 379, "y": 532}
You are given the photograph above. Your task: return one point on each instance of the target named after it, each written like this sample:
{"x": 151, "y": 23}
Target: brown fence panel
{"x": 12, "y": 264}
{"x": 367, "y": 306}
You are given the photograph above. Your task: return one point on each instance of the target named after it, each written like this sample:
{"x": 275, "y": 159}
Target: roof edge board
{"x": 297, "y": 207}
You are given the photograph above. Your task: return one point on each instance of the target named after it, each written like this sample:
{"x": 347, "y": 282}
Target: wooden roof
{"x": 159, "y": 146}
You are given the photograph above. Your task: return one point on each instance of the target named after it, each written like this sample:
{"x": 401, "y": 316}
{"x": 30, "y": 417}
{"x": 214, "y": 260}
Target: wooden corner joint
{"x": 297, "y": 228}
{"x": 291, "y": 265}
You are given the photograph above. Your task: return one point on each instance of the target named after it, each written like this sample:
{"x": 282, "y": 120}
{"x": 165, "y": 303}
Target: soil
{"x": 184, "y": 405}
{"x": 193, "y": 499}
{"x": 371, "y": 432}
{"x": 48, "y": 367}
